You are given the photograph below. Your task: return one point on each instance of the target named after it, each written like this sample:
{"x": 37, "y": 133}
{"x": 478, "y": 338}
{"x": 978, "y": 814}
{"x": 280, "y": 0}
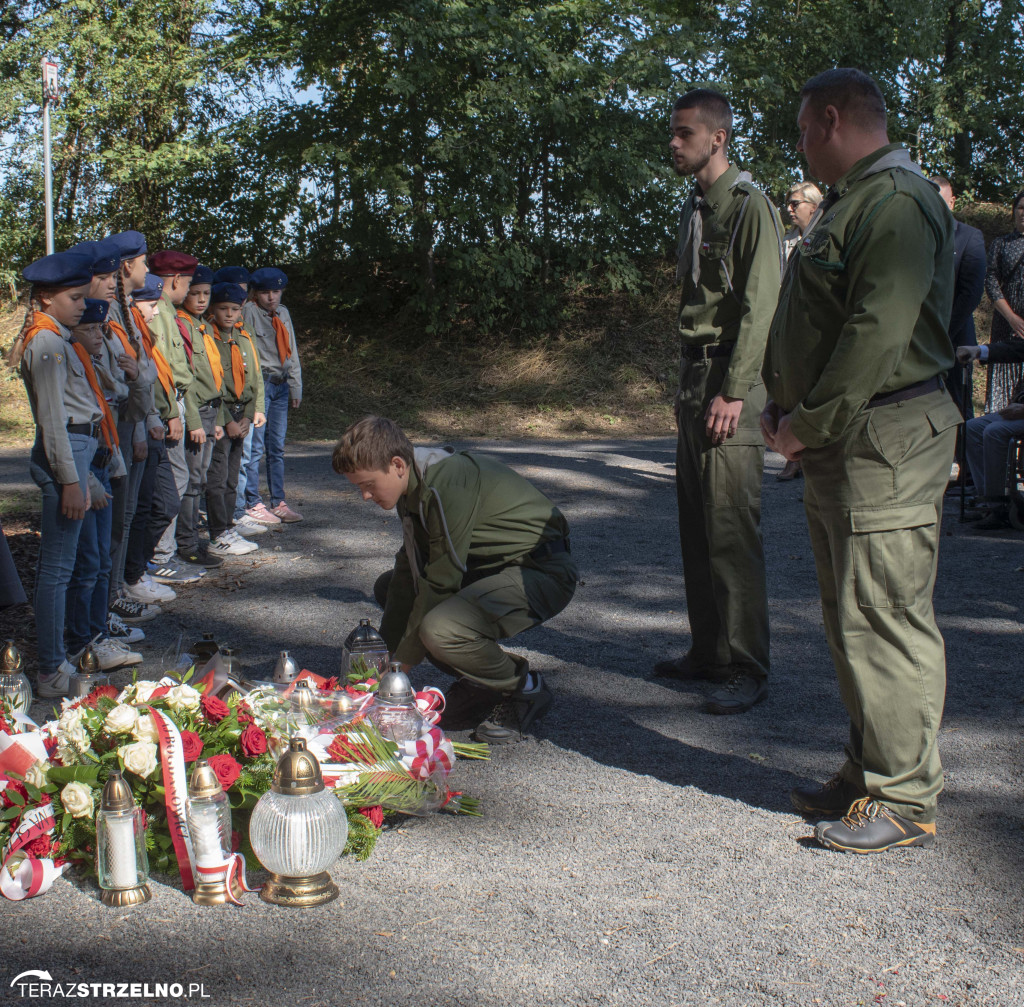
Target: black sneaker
{"x": 870, "y": 827}
{"x": 686, "y": 670}
{"x": 833, "y": 797}
{"x": 200, "y": 557}
{"x": 134, "y": 611}
{"x": 515, "y": 714}
{"x": 739, "y": 694}
{"x": 466, "y": 705}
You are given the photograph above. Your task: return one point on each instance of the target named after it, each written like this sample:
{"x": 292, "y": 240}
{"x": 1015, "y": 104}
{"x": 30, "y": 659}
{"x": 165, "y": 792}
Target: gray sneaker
{"x": 172, "y": 573}
{"x": 515, "y": 714}
{"x": 58, "y": 684}
{"x": 739, "y": 694}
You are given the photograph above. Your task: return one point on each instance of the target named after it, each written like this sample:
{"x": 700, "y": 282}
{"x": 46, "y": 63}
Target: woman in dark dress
{"x": 1004, "y": 284}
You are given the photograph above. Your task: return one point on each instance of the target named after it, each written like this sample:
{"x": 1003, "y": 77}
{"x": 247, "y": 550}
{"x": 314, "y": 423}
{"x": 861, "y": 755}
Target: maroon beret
{"x": 169, "y": 263}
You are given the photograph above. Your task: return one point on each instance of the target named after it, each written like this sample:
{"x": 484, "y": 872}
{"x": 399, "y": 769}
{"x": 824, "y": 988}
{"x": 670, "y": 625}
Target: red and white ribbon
{"x": 428, "y": 754}
{"x": 430, "y": 703}
{"x": 231, "y": 873}
{"x": 172, "y": 762}
{"x": 31, "y": 876}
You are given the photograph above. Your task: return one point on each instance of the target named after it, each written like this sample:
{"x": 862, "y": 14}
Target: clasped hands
{"x": 775, "y": 430}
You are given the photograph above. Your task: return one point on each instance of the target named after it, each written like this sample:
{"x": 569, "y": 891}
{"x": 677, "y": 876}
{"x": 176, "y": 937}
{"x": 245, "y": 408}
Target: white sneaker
{"x": 112, "y": 654}
{"x": 166, "y": 593}
{"x": 118, "y": 629}
{"x": 240, "y": 541}
{"x": 246, "y": 525}
{"x": 58, "y": 684}
{"x": 228, "y": 546}
{"x": 147, "y": 591}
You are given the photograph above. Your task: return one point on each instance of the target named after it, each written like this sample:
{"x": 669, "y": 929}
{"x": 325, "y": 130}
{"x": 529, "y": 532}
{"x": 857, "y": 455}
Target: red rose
{"x": 40, "y": 847}
{"x": 101, "y": 692}
{"x": 226, "y": 767}
{"x": 245, "y": 717}
{"x": 253, "y": 741}
{"x": 14, "y": 787}
{"x": 214, "y": 708}
{"x": 192, "y": 745}
{"x": 374, "y": 814}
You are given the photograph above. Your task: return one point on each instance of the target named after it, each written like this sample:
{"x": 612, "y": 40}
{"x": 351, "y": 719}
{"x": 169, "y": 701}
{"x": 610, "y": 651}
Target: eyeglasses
{"x": 795, "y": 202}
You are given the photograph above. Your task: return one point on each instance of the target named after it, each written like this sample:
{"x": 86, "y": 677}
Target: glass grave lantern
{"x": 364, "y": 645}
{"x": 209, "y": 825}
{"x": 394, "y": 712}
{"x": 14, "y": 686}
{"x": 297, "y": 830}
{"x": 121, "y": 862}
{"x": 89, "y": 676}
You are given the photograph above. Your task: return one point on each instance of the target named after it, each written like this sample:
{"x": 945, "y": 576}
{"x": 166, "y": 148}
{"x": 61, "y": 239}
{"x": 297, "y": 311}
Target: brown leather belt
{"x": 934, "y": 384}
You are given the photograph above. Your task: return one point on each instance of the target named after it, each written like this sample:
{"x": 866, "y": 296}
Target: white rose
{"x": 183, "y": 697}
{"x": 71, "y": 720}
{"x": 139, "y": 757}
{"x": 121, "y": 719}
{"x": 77, "y": 800}
{"x": 36, "y": 774}
{"x": 143, "y": 690}
{"x": 145, "y": 729}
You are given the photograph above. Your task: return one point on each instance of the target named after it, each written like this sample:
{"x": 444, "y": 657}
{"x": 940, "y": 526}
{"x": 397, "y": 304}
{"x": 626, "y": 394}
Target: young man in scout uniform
{"x": 730, "y": 265}
{"x": 485, "y": 557}
{"x": 269, "y": 323}
{"x": 855, "y": 363}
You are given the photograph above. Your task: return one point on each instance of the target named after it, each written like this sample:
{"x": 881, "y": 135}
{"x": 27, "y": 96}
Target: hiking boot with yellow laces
{"x": 870, "y": 827}
{"x": 832, "y": 797}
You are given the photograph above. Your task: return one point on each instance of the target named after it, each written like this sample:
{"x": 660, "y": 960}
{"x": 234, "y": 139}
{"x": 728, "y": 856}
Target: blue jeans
{"x": 269, "y": 439}
{"x": 988, "y": 451}
{"x": 243, "y": 465}
{"x": 58, "y": 546}
{"x": 90, "y": 583}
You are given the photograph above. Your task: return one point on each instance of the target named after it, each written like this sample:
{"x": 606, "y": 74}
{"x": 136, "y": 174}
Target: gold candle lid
{"x": 203, "y": 782}
{"x": 88, "y": 663}
{"x": 117, "y": 795}
{"x": 10, "y": 661}
{"x": 303, "y": 694}
{"x": 298, "y": 772}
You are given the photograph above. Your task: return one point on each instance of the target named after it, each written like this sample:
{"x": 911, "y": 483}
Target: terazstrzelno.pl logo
{"x": 36, "y": 984}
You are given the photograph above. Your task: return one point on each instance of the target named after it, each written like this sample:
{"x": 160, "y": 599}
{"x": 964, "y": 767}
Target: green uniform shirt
{"x": 204, "y": 385}
{"x": 865, "y": 302}
{"x": 740, "y": 267}
{"x": 253, "y": 383}
{"x": 463, "y": 515}
{"x": 168, "y": 340}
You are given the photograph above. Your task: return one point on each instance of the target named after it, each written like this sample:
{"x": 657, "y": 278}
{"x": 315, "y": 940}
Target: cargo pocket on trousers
{"x": 886, "y": 571}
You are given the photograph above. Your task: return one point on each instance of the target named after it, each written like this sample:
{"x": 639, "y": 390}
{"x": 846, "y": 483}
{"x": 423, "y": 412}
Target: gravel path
{"x": 638, "y": 851}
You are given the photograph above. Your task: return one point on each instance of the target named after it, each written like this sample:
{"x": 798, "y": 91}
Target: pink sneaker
{"x": 261, "y": 514}
{"x": 286, "y": 514}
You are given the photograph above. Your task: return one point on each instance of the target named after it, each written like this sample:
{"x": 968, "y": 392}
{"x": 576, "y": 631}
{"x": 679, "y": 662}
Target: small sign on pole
{"x": 50, "y": 96}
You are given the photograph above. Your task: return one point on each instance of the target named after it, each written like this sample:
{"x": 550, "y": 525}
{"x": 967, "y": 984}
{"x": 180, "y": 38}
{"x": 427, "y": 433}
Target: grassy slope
{"x": 610, "y": 369}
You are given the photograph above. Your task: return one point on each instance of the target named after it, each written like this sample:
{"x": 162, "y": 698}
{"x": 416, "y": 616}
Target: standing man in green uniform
{"x": 730, "y": 264}
{"x": 485, "y": 557}
{"x": 856, "y": 355}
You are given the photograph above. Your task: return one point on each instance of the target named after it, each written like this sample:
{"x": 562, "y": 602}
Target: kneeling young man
{"x": 485, "y": 556}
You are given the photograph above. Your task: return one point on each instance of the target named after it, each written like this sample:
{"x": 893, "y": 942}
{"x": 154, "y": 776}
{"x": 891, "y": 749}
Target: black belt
{"x": 86, "y": 429}
{"x": 272, "y": 380}
{"x": 237, "y": 409}
{"x": 934, "y": 384}
{"x": 212, "y": 404}
{"x": 707, "y": 350}
{"x": 552, "y": 548}
{"x": 102, "y": 458}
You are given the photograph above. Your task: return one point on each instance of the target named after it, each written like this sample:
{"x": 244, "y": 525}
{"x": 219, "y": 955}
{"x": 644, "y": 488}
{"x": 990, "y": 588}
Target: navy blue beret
{"x": 129, "y": 243}
{"x": 150, "y": 290}
{"x": 62, "y": 269}
{"x": 202, "y": 274}
{"x": 232, "y": 274}
{"x": 95, "y": 311}
{"x": 269, "y": 278}
{"x": 106, "y": 257}
{"x": 227, "y": 293}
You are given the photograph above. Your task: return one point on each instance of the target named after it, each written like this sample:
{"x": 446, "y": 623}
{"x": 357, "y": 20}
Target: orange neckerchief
{"x": 40, "y": 323}
{"x": 237, "y": 364}
{"x": 284, "y": 343}
{"x": 107, "y": 424}
{"x": 212, "y": 353}
{"x": 163, "y": 369}
{"x": 255, "y": 355}
{"x": 119, "y": 330}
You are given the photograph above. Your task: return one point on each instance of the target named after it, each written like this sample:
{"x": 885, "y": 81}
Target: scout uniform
{"x": 274, "y": 335}
{"x": 730, "y": 266}
{"x": 241, "y": 388}
{"x": 68, "y": 418}
{"x": 856, "y": 354}
{"x": 485, "y": 557}
{"x": 207, "y": 391}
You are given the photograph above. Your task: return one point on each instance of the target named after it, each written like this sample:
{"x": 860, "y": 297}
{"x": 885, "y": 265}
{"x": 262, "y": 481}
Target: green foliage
{"x": 362, "y": 835}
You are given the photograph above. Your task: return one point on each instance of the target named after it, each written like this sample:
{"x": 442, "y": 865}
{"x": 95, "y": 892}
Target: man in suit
{"x": 968, "y": 285}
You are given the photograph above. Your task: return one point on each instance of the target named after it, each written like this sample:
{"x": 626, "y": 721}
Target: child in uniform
{"x": 207, "y": 387}
{"x": 270, "y": 324}
{"x": 67, "y": 416}
{"x": 88, "y": 589}
{"x": 241, "y": 389}
{"x": 485, "y": 557}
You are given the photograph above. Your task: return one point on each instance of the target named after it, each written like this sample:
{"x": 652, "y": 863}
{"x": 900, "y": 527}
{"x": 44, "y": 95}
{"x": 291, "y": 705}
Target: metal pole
{"x": 47, "y": 167}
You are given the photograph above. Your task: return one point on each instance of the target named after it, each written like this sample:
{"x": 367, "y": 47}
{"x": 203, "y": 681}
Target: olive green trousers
{"x": 874, "y": 508}
{"x": 718, "y": 490}
{"x": 461, "y": 634}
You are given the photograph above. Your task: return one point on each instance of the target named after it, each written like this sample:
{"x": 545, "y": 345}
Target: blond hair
{"x": 806, "y": 190}
{"x": 369, "y": 444}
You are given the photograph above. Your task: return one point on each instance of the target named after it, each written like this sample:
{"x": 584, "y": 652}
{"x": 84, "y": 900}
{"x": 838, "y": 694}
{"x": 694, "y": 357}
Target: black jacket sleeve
{"x": 970, "y": 284}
